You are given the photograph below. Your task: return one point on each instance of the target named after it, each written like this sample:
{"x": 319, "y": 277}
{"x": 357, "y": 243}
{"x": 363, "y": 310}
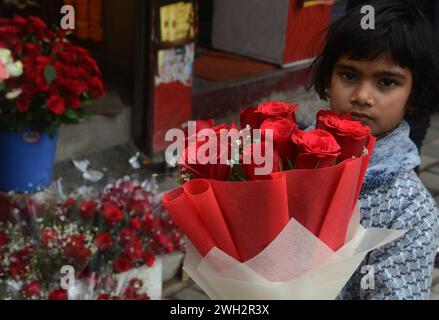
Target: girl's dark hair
{"x": 402, "y": 31}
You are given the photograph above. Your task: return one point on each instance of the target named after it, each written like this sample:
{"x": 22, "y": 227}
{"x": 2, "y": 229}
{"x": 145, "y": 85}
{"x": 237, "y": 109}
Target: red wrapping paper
{"x": 254, "y": 213}
{"x": 243, "y": 218}
{"x": 185, "y": 215}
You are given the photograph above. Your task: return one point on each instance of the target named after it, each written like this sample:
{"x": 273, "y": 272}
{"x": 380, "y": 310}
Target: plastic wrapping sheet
{"x": 296, "y": 265}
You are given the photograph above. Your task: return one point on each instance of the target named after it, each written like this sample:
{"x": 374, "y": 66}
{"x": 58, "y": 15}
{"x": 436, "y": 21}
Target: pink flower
{"x": 4, "y": 74}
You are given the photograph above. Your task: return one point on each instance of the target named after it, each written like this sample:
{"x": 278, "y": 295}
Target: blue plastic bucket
{"x": 26, "y": 161}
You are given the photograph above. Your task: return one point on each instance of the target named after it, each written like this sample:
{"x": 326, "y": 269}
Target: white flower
{"x": 5, "y": 56}
{"x": 15, "y": 69}
{"x": 14, "y": 94}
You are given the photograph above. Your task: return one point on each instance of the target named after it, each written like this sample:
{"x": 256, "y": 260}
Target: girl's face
{"x": 374, "y": 92}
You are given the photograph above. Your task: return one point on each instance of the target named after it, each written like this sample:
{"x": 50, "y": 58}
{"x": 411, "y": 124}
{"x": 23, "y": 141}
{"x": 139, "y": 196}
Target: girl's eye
{"x": 349, "y": 76}
{"x": 387, "y": 83}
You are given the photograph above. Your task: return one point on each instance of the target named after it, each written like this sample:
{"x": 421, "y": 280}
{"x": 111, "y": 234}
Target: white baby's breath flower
{"x": 172, "y": 163}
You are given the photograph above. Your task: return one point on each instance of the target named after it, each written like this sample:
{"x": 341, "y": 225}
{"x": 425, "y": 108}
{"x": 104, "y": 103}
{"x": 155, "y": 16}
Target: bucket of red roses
{"x": 44, "y": 81}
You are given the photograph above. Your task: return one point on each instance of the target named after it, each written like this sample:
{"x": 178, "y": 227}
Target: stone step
{"x": 99, "y": 133}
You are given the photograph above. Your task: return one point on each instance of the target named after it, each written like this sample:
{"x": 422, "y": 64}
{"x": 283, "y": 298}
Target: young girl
{"x": 380, "y": 76}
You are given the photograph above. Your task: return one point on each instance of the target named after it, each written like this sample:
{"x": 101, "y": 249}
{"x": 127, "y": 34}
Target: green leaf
{"x": 50, "y": 74}
{"x": 83, "y": 114}
{"x": 71, "y": 115}
{"x": 2, "y": 86}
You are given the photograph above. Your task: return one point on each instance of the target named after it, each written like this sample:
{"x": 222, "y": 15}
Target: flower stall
{"x": 114, "y": 243}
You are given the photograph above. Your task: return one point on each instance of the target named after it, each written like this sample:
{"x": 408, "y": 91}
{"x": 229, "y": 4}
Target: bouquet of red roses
{"x": 43, "y": 77}
{"x": 284, "y": 234}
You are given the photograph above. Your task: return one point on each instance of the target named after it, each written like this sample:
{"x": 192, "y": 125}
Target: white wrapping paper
{"x": 296, "y": 265}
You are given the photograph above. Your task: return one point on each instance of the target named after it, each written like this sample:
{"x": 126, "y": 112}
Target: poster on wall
{"x": 177, "y": 22}
{"x": 173, "y": 91}
{"x": 176, "y": 64}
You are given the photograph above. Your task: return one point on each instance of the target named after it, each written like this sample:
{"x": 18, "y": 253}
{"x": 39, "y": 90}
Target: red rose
{"x": 138, "y": 207}
{"x": 38, "y": 27}
{"x": 76, "y": 240}
{"x": 73, "y": 101}
{"x": 133, "y": 249}
{"x": 17, "y": 47}
{"x": 23, "y": 104}
{"x": 135, "y": 283}
{"x": 199, "y": 166}
{"x": 48, "y": 236}
{"x": 56, "y": 104}
{"x": 267, "y": 152}
{"x": 70, "y": 202}
{"x": 87, "y": 210}
{"x": 37, "y": 23}
{"x": 75, "y": 87}
{"x": 95, "y": 87}
{"x": 122, "y": 264}
{"x": 3, "y": 240}
{"x": 352, "y": 136}
{"x": 130, "y": 293}
{"x": 31, "y": 290}
{"x": 89, "y": 63}
{"x": 32, "y": 49}
{"x": 67, "y": 58}
{"x": 53, "y": 90}
{"x": 163, "y": 242}
{"x": 16, "y": 268}
{"x": 78, "y": 255}
{"x": 58, "y": 294}
{"x": 135, "y": 223}
{"x": 24, "y": 254}
{"x": 316, "y": 149}
{"x": 282, "y": 128}
{"x": 278, "y": 109}
{"x": 200, "y": 125}
{"x": 112, "y": 214}
{"x": 43, "y": 61}
{"x": 30, "y": 74}
{"x": 8, "y": 32}
{"x": 104, "y": 296}
{"x": 251, "y": 117}
{"x": 325, "y": 114}
{"x": 19, "y": 21}
{"x": 147, "y": 222}
{"x": 149, "y": 258}
{"x": 126, "y": 235}
{"x": 103, "y": 241}
{"x": 56, "y": 47}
